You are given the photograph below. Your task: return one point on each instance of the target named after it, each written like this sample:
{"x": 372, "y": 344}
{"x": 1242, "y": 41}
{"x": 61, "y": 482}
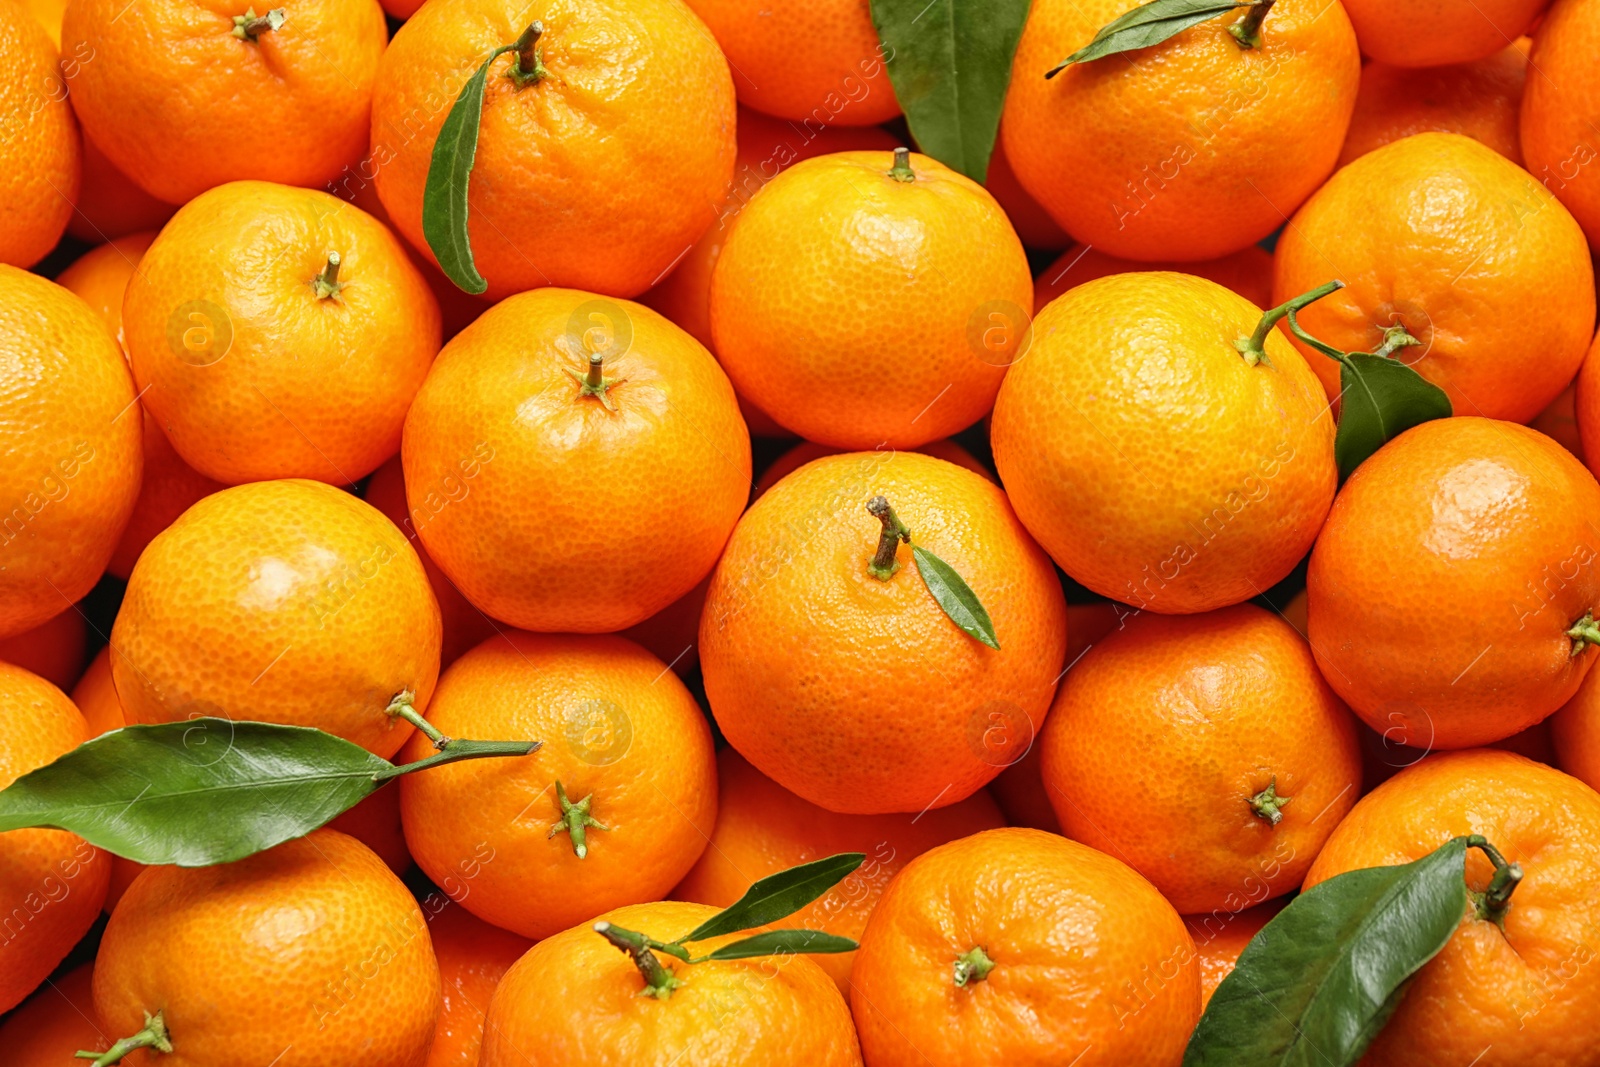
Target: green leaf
{"x": 778, "y": 896}
{"x": 782, "y": 943}
{"x": 1315, "y": 986}
{"x": 444, "y": 196}
{"x": 194, "y": 793}
{"x": 955, "y": 596}
{"x": 1380, "y": 398}
{"x": 950, "y": 65}
{"x": 1146, "y": 25}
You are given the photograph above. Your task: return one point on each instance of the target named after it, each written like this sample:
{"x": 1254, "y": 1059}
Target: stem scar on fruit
{"x": 594, "y": 382}
{"x": 1269, "y": 803}
{"x": 527, "y": 65}
{"x": 327, "y": 283}
{"x": 971, "y": 966}
{"x": 1584, "y": 632}
{"x": 901, "y": 171}
{"x": 248, "y": 26}
{"x": 154, "y": 1035}
{"x": 575, "y": 820}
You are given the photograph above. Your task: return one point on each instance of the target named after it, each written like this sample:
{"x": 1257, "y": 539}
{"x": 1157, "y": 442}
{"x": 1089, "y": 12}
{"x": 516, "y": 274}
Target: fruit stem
{"x": 1493, "y": 901}
{"x": 575, "y": 820}
{"x": 1584, "y": 632}
{"x": 247, "y": 27}
{"x": 883, "y": 565}
{"x": 1247, "y": 31}
{"x": 1253, "y": 348}
{"x": 327, "y": 283}
{"x": 528, "y": 67}
{"x": 658, "y": 981}
{"x": 1395, "y": 338}
{"x": 1269, "y": 803}
{"x": 972, "y": 966}
{"x": 594, "y": 382}
{"x": 154, "y": 1035}
{"x": 901, "y": 171}
{"x": 403, "y": 706}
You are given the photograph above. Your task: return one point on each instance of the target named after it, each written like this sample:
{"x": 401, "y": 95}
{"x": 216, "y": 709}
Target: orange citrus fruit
{"x": 473, "y": 956}
{"x": 1150, "y": 458}
{"x": 1468, "y": 545}
{"x": 52, "y": 883}
{"x": 818, "y": 63}
{"x": 762, "y": 828}
{"x": 1575, "y": 732}
{"x": 1204, "y": 751}
{"x": 110, "y": 205}
{"x": 981, "y": 950}
{"x": 71, "y": 437}
{"x": 1220, "y": 938}
{"x": 613, "y": 809}
{"x": 1187, "y": 150}
{"x": 308, "y": 954}
{"x": 638, "y": 476}
{"x": 1559, "y": 142}
{"x": 288, "y": 602}
{"x": 1510, "y": 987}
{"x": 249, "y": 272}
{"x": 1431, "y": 33}
{"x": 57, "y": 1022}
{"x": 1034, "y": 226}
{"x": 935, "y": 307}
{"x": 857, "y": 692}
{"x": 1247, "y": 272}
{"x": 806, "y": 451}
{"x": 1479, "y": 99}
{"x": 185, "y": 95}
{"x": 40, "y": 163}
{"x": 596, "y": 169}
{"x": 53, "y": 650}
{"x": 575, "y": 1001}
{"x": 1446, "y": 237}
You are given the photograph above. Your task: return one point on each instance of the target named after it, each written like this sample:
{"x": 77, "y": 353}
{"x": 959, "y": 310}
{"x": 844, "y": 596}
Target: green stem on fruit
{"x": 248, "y": 26}
{"x": 1395, "y": 338}
{"x": 1269, "y": 803}
{"x": 528, "y": 66}
{"x": 450, "y": 749}
{"x": 403, "y": 706}
{"x": 1253, "y": 348}
{"x": 327, "y": 283}
{"x": 1492, "y": 903}
{"x": 1247, "y": 31}
{"x": 883, "y": 564}
{"x": 1584, "y": 632}
{"x": 594, "y": 382}
{"x": 901, "y": 171}
{"x": 658, "y": 980}
{"x": 973, "y": 965}
{"x": 575, "y": 820}
{"x": 154, "y": 1035}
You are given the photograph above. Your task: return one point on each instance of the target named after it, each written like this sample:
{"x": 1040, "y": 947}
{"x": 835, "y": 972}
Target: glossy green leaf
{"x": 1380, "y": 398}
{"x": 778, "y": 896}
{"x": 1315, "y": 986}
{"x": 1146, "y": 25}
{"x": 955, "y": 596}
{"x": 782, "y": 943}
{"x": 950, "y": 62}
{"x": 444, "y": 196}
{"x": 195, "y": 793}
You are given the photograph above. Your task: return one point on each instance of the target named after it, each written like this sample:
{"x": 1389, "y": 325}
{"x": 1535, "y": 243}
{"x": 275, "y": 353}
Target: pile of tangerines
{"x": 980, "y": 517}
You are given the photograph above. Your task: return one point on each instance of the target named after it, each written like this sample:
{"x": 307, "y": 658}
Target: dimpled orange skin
{"x": 239, "y": 262}
{"x": 1247, "y": 272}
{"x": 1188, "y": 150}
{"x": 806, "y": 451}
{"x": 818, "y": 63}
{"x": 1575, "y": 732}
{"x": 1432, "y": 33}
{"x": 53, "y": 650}
{"x": 1204, "y": 712}
{"x": 1150, "y": 460}
{"x": 763, "y": 828}
{"x": 767, "y": 147}
{"x": 180, "y": 105}
{"x": 313, "y": 952}
{"x": 1445, "y": 236}
{"x": 575, "y": 1001}
{"x": 1479, "y": 99}
{"x": 40, "y": 151}
{"x": 1560, "y": 108}
{"x": 47, "y": 1030}
{"x": 52, "y": 883}
{"x": 71, "y": 439}
{"x": 925, "y": 287}
{"x": 616, "y": 726}
{"x": 888, "y": 706}
{"x": 1521, "y": 995}
{"x": 1469, "y": 544}
{"x": 634, "y": 504}
{"x": 1219, "y": 938}
{"x": 597, "y": 176}
{"x": 289, "y": 602}
{"x": 109, "y": 204}
{"x": 100, "y": 276}
{"x": 473, "y": 956}
{"x": 464, "y": 625}
{"x": 1089, "y": 961}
